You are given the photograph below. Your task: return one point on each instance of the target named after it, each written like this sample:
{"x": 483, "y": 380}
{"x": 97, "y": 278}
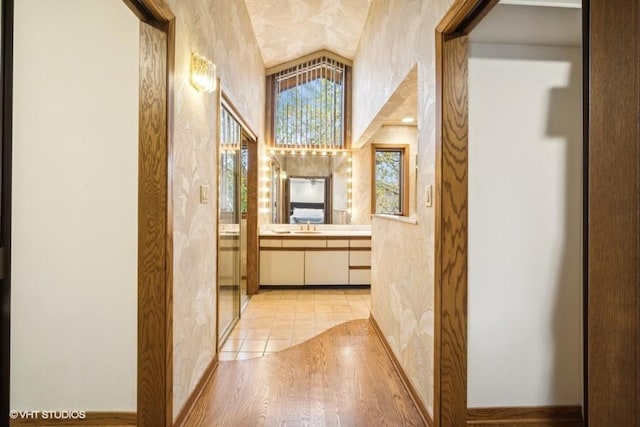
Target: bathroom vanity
{"x": 315, "y": 257}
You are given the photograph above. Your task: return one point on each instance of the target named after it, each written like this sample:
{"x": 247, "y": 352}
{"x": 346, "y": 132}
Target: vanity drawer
{"x": 360, "y": 243}
{"x": 360, "y": 258}
{"x": 337, "y": 243}
{"x": 304, "y": 243}
{"x": 270, "y": 243}
{"x": 359, "y": 277}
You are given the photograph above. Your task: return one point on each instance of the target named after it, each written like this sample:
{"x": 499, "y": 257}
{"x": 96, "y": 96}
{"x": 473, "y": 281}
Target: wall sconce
{"x": 203, "y": 73}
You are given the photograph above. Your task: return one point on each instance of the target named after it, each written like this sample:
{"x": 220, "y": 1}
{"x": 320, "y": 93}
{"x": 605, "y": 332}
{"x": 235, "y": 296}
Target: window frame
{"x": 403, "y": 149}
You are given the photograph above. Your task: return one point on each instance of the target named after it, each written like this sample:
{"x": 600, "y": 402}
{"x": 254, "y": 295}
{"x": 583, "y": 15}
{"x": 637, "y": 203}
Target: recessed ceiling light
{"x": 408, "y": 120}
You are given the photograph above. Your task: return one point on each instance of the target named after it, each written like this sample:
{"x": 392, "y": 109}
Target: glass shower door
{"x": 229, "y": 231}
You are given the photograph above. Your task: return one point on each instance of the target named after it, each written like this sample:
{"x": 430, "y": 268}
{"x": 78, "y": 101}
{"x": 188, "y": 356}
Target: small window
{"x": 390, "y": 177}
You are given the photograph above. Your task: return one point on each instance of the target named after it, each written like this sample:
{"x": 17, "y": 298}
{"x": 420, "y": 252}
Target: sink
{"x": 307, "y": 232}
{"x": 281, "y": 231}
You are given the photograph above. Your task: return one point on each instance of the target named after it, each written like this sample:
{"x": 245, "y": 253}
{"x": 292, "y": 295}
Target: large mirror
{"x": 310, "y": 188}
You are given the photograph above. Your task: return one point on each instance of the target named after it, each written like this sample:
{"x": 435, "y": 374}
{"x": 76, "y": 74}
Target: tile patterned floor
{"x": 276, "y": 319}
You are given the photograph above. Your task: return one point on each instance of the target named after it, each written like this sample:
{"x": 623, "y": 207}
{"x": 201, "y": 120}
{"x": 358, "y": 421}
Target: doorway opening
{"x": 524, "y": 152}
{"x": 106, "y": 190}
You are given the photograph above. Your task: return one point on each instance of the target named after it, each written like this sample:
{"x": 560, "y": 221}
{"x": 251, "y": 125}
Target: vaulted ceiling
{"x": 289, "y": 29}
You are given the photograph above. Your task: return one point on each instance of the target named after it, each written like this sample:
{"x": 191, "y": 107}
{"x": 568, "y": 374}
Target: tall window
{"x": 309, "y": 105}
{"x": 390, "y": 177}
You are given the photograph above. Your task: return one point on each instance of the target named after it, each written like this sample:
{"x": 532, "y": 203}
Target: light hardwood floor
{"x": 342, "y": 377}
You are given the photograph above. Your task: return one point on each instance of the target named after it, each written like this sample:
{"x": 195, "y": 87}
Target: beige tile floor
{"x": 276, "y": 319}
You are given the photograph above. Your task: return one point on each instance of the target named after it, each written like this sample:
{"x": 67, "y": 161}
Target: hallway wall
{"x": 75, "y": 206}
{"x": 525, "y": 205}
{"x": 399, "y": 34}
{"x": 221, "y": 31}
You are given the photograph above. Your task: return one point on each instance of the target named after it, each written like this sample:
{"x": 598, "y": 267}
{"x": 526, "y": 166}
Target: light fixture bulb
{"x": 203, "y": 74}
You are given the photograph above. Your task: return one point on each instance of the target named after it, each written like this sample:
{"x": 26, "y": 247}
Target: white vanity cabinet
{"x": 326, "y": 267}
{"x": 360, "y": 262}
{"x": 294, "y": 260}
{"x": 281, "y": 268}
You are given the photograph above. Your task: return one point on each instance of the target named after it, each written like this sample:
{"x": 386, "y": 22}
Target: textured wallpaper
{"x": 287, "y": 30}
{"x": 399, "y": 34}
{"x": 361, "y": 186}
{"x": 221, "y": 31}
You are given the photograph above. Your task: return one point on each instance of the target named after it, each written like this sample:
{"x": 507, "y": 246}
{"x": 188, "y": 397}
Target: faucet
{"x": 308, "y": 225}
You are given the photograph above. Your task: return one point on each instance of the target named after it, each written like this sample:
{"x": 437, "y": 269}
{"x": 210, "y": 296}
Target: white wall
{"x": 74, "y": 270}
{"x": 524, "y": 225}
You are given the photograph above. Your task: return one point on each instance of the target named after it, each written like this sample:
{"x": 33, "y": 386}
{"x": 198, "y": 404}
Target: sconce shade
{"x": 203, "y": 73}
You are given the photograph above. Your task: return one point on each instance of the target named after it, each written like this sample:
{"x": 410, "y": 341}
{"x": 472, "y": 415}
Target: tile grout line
{"x": 310, "y": 313}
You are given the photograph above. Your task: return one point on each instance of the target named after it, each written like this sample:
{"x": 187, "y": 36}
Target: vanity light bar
{"x": 306, "y": 151}
{"x": 349, "y": 188}
{"x": 264, "y": 198}
{"x": 266, "y": 179}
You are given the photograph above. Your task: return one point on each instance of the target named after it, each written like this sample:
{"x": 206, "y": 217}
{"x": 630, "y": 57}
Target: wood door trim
{"x": 5, "y": 226}
{"x": 450, "y": 371}
{"x": 155, "y": 232}
{"x": 612, "y": 66}
{"x": 152, "y": 12}
{"x": 612, "y": 206}
{"x": 231, "y": 108}
{"x": 569, "y": 416}
{"x": 216, "y": 165}
{"x": 252, "y": 218}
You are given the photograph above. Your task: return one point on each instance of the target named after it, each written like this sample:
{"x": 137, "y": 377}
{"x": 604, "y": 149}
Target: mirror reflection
{"x": 310, "y": 189}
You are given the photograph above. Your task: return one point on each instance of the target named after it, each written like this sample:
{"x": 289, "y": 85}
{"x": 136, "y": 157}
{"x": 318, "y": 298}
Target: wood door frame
{"x": 5, "y": 227}
{"x": 252, "y": 217}
{"x": 155, "y": 232}
{"x": 612, "y": 212}
{"x": 452, "y": 119}
{"x": 611, "y": 297}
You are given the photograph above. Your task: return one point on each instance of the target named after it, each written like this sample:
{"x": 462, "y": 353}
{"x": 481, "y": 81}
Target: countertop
{"x": 289, "y": 234}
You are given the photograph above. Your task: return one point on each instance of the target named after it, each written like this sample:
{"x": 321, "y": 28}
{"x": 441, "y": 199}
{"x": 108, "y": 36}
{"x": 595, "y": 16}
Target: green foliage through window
{"x": 389, "y": 180}
{"x": 309, "y": 105}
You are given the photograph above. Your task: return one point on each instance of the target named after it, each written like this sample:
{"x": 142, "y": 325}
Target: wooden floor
{"x": 276, "y": 319}
{"x": 342, "y": 377}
